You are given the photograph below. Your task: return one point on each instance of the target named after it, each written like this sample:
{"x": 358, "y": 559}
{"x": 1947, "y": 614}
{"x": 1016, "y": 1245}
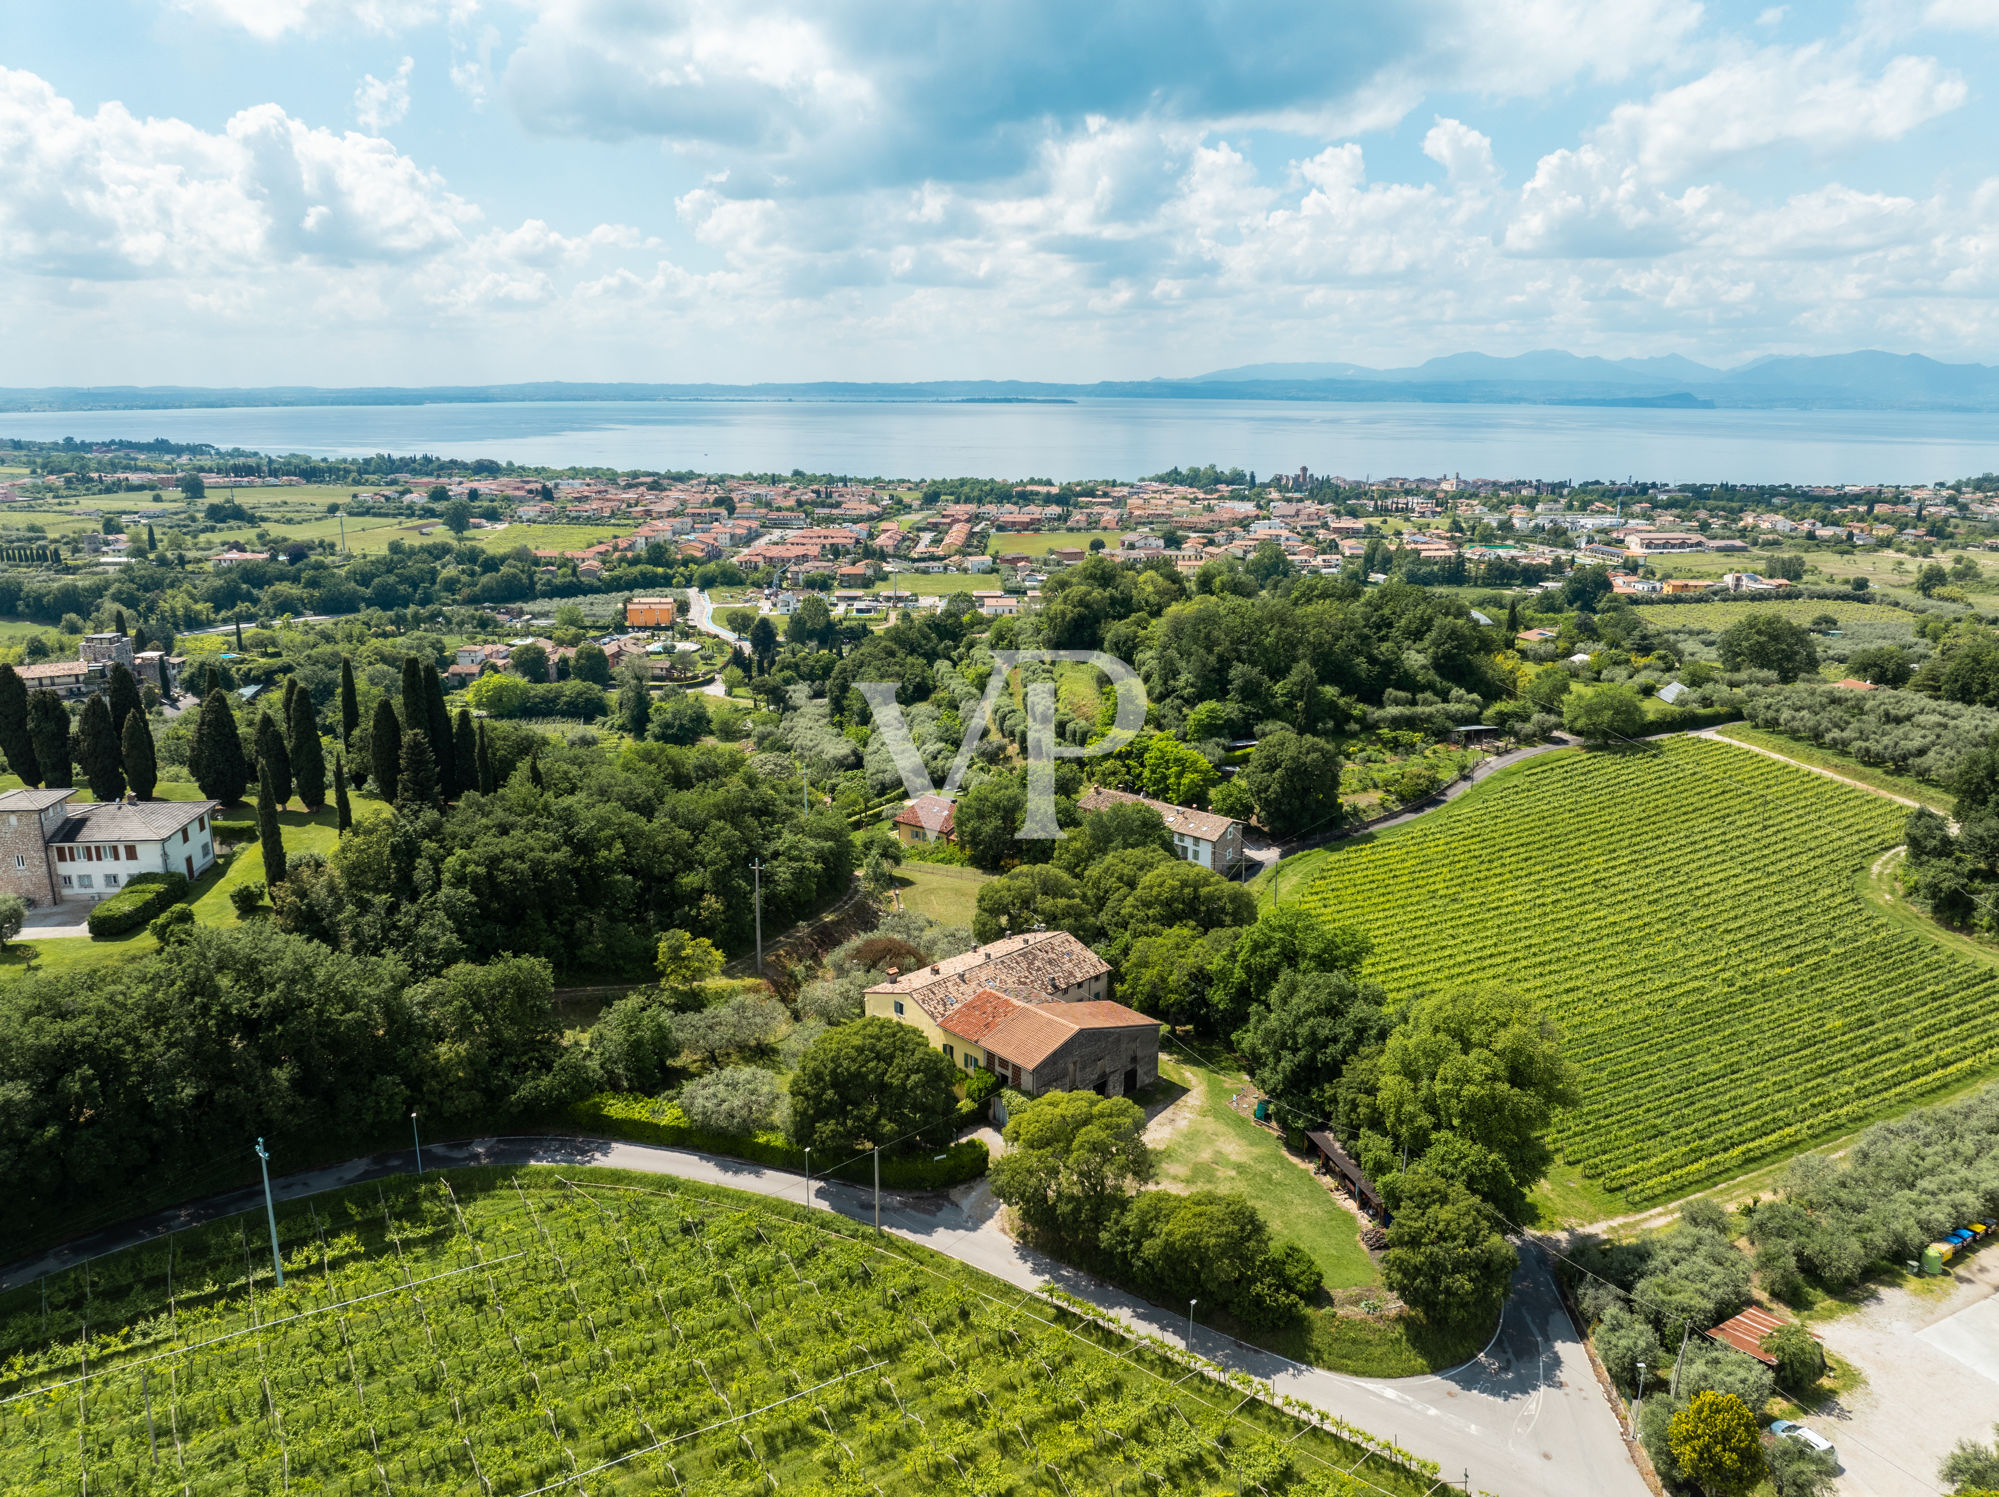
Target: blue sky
{"x": 433, "y": 191}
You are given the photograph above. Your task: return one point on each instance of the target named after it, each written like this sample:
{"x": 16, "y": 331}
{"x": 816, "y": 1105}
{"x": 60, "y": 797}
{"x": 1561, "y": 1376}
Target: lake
{"x": 1092, "y": 438}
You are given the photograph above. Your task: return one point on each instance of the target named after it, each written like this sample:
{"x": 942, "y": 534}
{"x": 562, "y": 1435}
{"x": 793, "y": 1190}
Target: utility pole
{"x": 878, "y": 1190}
{"x": 757, "y": 868}
{"x": 1686, "y": 1332}
{"x": 270, "y": 1212}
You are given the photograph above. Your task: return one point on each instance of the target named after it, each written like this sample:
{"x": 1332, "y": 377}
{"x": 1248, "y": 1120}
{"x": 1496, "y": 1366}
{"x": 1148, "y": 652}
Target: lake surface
{"x": 1100, "y": 438}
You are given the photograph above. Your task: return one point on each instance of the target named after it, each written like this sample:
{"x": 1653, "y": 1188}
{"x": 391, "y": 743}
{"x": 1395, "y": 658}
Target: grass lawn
{"x": 1220, "y": 1149}
{"x": 927, "y": 584}
{"x": 1041, "y": 543}
{"x": 1842, "y": 764}
{"x": 940, "y": 891}
{"x": 541, "y": 537}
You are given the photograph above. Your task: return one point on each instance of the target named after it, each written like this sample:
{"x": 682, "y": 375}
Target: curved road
{"x": 1526, "y": 1418}
{"x": 701, "y": 614}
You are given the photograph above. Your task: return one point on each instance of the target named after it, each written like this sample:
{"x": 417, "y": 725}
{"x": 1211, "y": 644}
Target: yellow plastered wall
{"x": 882, "y": 1006}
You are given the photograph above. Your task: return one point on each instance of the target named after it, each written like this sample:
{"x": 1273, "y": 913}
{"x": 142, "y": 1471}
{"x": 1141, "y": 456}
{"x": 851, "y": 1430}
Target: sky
{"x": 413, "y": 192}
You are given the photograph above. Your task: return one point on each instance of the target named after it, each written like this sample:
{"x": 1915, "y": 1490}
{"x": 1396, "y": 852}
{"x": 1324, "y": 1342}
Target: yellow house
{"x": 1042, "y": 966}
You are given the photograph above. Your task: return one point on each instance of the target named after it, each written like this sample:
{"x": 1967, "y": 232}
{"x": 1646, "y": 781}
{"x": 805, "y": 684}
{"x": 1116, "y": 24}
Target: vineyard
{"x": 1689, "y": 916}
{"x": 503, "y": 1333}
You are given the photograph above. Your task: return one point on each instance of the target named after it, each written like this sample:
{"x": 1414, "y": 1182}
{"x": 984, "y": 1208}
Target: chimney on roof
{"x": 934, "y": 967}
{"x": 893, "y": 973}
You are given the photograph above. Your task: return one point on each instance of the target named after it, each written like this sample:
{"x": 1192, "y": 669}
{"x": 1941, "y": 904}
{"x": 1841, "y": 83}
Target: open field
{"x": 924, "y": 584}
{"x": 1795, "y": 610}
{"x": 1040, "y": 543}
{"x": 1689, "y": 915}
{"x": 492, "y": 1332}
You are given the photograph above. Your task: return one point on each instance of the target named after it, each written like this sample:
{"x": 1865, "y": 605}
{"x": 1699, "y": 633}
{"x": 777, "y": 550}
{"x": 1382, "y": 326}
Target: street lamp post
{"x": 1638, "y": 1400}
{"x": 270, "y": 1212}
{"x": 1190, "y": 1324}
{"x": 419, "y": 1141}
{"x": 808, "y": 1179}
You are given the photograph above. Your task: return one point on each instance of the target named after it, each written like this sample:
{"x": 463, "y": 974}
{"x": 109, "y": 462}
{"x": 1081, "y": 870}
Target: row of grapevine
{"x": 1691, "y": 916}
{"x": 512, "y": 1333}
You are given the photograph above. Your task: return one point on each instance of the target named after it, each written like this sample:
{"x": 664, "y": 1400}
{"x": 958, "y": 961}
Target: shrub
{"x": 247, "y": 897}
{"x": 144, "y": 896}
{"x": 644, "y": 1120}
{"x": 736, "y": 1101}
{"x": 173, "y": 925}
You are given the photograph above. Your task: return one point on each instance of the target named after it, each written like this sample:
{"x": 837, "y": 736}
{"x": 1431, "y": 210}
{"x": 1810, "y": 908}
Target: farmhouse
{"x": 1200, "y": 837}
{"x": 51, "y": 851}
{"x": 928, "y": 818}
{"x": 1035, "y": 1047}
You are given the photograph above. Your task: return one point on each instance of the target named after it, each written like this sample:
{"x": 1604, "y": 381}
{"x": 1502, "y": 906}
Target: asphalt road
{"x": 701, "y": 614}
{"x": 1526, "y": 1418}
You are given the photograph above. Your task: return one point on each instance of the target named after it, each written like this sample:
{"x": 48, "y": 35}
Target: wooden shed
{"x": 1341, "y": 1163}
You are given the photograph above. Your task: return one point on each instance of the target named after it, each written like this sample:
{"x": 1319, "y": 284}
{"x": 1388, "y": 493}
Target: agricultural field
{"x": 1794, "y": 610}
{"x": 1691, "y": 915}
{"x": 495, "y": 1332}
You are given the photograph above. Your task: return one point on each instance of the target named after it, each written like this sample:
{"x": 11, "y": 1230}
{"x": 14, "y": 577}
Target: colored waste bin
{"x": 1263, "y": 1110}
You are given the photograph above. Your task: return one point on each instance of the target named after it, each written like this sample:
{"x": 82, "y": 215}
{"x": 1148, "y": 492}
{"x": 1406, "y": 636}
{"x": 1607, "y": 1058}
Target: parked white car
{"x": 1790, "y": 1429}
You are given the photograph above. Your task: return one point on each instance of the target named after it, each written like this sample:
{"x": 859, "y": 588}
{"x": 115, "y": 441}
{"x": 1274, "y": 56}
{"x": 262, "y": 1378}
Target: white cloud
{"x": 380, "y": 103}
{"x": 1812, "y": 97}
{"x": 271, "y": 19}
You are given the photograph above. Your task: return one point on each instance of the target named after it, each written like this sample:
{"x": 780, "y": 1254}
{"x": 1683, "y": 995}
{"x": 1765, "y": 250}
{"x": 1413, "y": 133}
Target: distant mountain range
{"x": 1867, "y": 380}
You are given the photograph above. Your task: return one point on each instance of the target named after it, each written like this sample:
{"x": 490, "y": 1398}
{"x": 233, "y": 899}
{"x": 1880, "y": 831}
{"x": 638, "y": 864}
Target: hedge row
{"x": 144, "y": 896}
{"x": 647, "y": 1120}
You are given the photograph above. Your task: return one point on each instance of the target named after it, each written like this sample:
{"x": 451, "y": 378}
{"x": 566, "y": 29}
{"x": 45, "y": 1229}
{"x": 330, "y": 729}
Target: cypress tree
{"x": 270, "y": 837}
{"x": 415, "y": 705}
{"x": 285, "y": 708}
{"x": 341, "y": 809}
{"x": 438, "y": 718}
{"x": 152, "y": 544}
{"x": 97, "y": 746}
{"x": 416, "y": 774}
{"x": 271, "y": 749}
{"x": 239, "y": 636}
{"x": 350, "y": 709}
{"x": 15, "y": 741}
{"x": 48, "y": 727}
{"x": 534, "y": 769}
{"x": 308, "y": 758}
{"x": 489, "y": 780}
{"x": 385, "y": 738}
{"x": 141, "y": 766}
{"x": 166, "y": 679}
{"x": 125, "y": 699}
{"x": 121, "y": 621}
{"x": 216, "y": 755}
{"x": 464, "y": 753}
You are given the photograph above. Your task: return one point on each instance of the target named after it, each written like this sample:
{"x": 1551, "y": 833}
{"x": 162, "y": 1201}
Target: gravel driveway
{"x": 1931, "y": 1361}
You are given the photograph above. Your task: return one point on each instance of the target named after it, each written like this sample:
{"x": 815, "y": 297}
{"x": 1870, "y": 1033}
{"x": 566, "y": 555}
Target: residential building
{"x": 928, "y": 818}
{"x": 1201, "y": 837}
{"x": 1091, "y": 1045}
{"x": 649, "y": 613}
{"x": 51, "y": 851}
{"x": 1040, "y": 966}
